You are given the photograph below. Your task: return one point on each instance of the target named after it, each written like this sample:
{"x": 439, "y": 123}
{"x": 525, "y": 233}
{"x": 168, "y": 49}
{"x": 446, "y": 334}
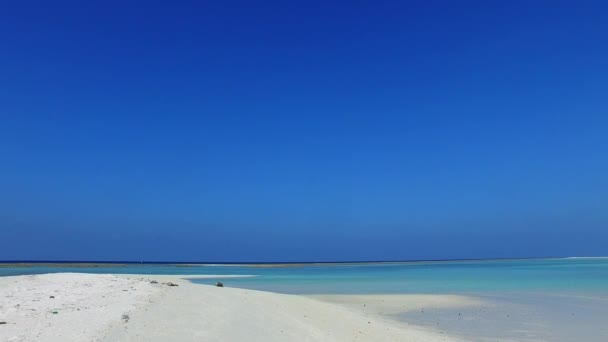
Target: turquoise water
{"x": 570, "y": 275}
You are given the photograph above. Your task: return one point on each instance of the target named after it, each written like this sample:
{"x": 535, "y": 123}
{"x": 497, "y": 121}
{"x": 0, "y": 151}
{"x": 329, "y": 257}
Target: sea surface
{"x": 528, "y": 300}
{"x": 561, "y": 275}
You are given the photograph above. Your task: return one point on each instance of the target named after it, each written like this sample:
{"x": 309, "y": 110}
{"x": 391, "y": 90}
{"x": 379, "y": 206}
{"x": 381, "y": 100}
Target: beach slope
{"x": 132, "y": 308}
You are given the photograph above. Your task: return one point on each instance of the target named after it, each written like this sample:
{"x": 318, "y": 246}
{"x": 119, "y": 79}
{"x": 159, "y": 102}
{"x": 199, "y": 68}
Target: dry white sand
{"x": 67, "y": 306}
{"x": 91, "y": 308}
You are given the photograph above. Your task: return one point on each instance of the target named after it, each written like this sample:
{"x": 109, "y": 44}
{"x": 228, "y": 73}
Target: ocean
{"x": 559, "y": 275}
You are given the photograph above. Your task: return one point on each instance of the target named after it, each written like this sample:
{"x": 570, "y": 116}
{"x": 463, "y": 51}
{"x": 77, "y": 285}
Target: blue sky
{"x": 240, "y": 131}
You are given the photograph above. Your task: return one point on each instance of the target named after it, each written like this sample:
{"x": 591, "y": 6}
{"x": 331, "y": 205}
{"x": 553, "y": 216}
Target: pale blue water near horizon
{"x": 564, "y": 275}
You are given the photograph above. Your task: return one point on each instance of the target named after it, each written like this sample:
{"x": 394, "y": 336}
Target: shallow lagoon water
{"x": 566, "y": 275}
{"x": 586, "y": 276}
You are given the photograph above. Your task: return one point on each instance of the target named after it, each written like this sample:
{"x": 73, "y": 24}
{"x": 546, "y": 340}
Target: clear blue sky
{"x": 282, "y": 131}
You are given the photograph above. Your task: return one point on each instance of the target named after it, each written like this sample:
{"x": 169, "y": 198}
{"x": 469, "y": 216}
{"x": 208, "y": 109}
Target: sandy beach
{"x": 87, "y": 307}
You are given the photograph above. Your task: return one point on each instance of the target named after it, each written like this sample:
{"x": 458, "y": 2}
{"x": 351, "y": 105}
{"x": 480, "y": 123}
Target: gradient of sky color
{"x": 303, "y": 130}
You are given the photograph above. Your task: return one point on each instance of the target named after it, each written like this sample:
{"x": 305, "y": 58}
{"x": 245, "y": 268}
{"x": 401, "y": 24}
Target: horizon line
{"x": 130, "y": 262}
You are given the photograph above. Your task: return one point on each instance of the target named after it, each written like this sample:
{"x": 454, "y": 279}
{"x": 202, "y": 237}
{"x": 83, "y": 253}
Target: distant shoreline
{"x": 79, "y": 263}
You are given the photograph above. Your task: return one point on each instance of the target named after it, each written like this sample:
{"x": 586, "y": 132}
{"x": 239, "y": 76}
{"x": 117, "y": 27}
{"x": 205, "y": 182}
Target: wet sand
{"x": 523, "y": 317}
{"x": 505, "y": 317}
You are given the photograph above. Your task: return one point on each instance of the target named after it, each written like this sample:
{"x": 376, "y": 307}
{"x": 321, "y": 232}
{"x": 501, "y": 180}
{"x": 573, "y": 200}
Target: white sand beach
{"x": 87, "y": 307}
